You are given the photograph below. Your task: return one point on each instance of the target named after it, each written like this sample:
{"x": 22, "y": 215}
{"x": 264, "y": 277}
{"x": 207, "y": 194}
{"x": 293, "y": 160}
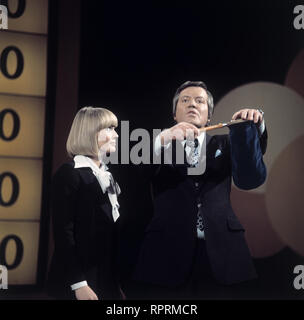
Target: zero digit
{"x": 15, "y": 192}
{"x": 19, "y": 251}
{"x": 3, "y": 62}
{"x": 16, "y": 126}
{"x": 20, "y": 9}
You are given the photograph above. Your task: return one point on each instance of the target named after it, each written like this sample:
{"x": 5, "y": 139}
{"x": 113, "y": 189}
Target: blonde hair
{"x": 87, "y": 123}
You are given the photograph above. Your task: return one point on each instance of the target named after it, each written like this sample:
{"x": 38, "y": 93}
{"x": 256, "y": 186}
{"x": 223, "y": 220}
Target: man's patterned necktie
{"x": 193, "y": 155}
{"x": 200, "y": 223}
{"x": 193, "y": 159}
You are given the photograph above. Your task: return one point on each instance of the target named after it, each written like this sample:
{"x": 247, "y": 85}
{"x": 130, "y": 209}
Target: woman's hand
{"x": 85, "y": 293}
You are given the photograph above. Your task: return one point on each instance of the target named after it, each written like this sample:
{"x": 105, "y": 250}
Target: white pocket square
{"x": 218, "y": 152}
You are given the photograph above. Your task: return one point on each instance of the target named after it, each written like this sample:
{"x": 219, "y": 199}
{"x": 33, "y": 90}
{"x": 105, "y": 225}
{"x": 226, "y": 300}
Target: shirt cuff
{"x": 78, "y": 285}
{"x": 158, "y": 146}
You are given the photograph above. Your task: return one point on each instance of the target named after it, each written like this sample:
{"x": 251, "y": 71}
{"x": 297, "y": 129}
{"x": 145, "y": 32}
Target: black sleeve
{"x": 65, "y": 190}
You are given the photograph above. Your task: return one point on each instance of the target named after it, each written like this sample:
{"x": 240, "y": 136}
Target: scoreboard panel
{"x": 23, "y": 80}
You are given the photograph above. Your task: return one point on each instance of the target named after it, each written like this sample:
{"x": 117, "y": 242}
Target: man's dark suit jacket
{"x": 169, "y": 244}
{"x": 84, "y": 235}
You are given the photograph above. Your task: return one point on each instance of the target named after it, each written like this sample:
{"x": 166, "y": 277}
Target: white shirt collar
{"x": 84, "y": 162}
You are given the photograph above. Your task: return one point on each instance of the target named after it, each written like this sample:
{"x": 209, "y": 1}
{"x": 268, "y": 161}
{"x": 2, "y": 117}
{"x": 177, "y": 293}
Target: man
{"x": 194, "y": 240}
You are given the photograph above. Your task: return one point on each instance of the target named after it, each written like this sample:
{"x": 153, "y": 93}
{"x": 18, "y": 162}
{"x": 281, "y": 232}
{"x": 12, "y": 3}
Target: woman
{"x": 85, "y": 212}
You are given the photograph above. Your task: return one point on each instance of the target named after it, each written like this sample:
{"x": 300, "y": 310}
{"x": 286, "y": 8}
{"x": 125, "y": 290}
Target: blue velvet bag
{"x": 248, "y": 168}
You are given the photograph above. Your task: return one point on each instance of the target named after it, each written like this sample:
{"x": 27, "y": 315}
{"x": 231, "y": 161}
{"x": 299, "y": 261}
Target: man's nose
{"x": 192, "y": 104}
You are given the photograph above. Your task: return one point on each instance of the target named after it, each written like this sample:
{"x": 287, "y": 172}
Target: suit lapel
{"x": 92, "y": 185}
{"x": 107, "y": 208}
{"x": 213, "y": 164}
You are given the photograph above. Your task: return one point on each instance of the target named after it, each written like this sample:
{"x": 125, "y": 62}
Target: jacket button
{"x": 199, "y": 205}
{"x": 196, "y": 184}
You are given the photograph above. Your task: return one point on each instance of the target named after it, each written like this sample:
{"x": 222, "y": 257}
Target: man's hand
{"x": 180, "y": 131}
{"x": 249, "y": 114}
{"x": 85, "y": 293}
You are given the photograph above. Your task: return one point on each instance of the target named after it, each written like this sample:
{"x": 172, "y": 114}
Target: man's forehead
{"x": 194, "y": 91}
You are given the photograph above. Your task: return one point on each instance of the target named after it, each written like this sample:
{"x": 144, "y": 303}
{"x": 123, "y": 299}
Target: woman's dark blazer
{"x": 85, "y": 235}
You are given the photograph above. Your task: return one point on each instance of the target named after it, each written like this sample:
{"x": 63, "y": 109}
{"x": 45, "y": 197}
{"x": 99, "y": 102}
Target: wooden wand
{"x": 222, "y": 125}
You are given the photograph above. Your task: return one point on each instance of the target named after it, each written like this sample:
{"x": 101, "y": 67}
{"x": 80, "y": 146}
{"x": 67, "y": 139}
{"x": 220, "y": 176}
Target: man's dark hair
{"x": 194, "y": 84}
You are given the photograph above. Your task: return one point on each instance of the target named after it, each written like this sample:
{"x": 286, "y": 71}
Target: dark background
{"x": 135, "y": 54}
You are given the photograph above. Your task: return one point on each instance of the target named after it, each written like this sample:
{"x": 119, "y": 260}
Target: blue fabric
{"x": 248, "y": 168}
